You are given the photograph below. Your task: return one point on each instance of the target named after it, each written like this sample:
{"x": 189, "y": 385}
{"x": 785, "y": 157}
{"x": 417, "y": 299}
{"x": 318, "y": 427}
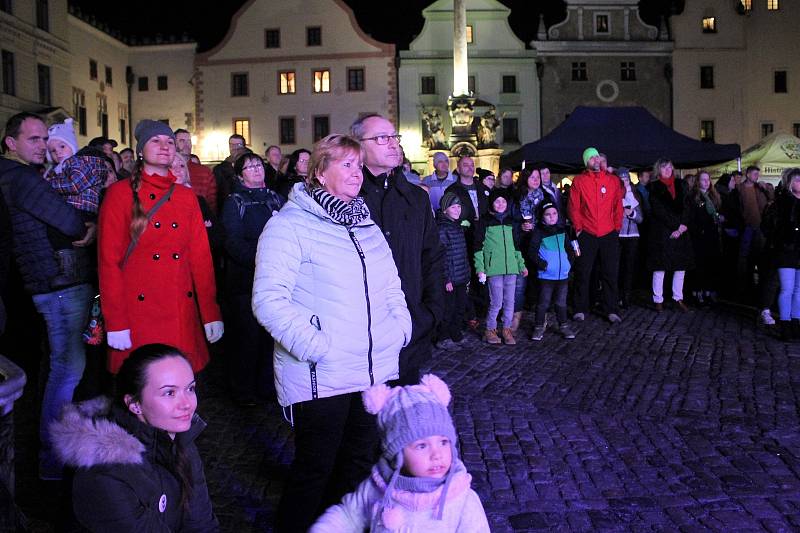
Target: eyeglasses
{"x": 253, "y": 167}
{"x": 383, "y": 139}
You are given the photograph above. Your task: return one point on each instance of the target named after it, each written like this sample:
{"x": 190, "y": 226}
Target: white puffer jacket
{"x": 310, "y": 275}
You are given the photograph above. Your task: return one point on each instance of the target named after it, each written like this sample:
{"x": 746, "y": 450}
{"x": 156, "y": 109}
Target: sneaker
{"x": 538, "y": 333}
{"x": 566, "y": 331}
{"x": 508, "y": 336}
{"x": 473, "y": 324}
{"x": 490, "y": 336}
{"x": 614, "y": 318}
{"x": 766, "y": 318}
{"x": 579, "y": 317}
{"x": 447, "y": 344}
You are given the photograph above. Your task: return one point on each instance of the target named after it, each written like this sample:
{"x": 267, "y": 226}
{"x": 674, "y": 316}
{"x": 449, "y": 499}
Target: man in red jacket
{"x": 200, "y": 176}
{"x": 595, "y": 207}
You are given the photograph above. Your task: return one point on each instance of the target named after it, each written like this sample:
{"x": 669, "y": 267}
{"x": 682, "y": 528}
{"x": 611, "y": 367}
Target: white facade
{"x": 87, "y": 72}
{"x": 745, "y": 54}
{"x": 238, "y": 83}
{"x": 494, "y": 53}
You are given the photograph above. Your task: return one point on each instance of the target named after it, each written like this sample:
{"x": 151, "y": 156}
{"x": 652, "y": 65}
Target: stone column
{"x": 460, "y": 60}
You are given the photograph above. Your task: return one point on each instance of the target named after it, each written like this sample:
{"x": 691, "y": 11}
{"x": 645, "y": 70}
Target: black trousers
{"x": 629, "y": 252}
{"x": 555, "y": 292}
{"x": 250, "y": 358}
{"x": 604, "y": 249}
{"x": 455, "y": 305}
{"x": 336, "y": 443}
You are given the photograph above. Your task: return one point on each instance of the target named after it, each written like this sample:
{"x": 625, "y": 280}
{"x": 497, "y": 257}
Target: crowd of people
{"x": 336, "y": 271}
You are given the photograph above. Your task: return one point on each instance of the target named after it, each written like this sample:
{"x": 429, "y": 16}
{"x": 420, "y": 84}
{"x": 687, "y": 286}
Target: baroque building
{"x": 279, "y": 79}
{"x": 603, "y": 54}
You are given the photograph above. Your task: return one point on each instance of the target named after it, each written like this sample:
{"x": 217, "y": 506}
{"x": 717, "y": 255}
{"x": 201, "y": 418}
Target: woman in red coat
{"x": 160, "y": 289}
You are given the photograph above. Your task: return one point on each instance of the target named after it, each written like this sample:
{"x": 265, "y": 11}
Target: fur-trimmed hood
{"x": 89, "y": 434}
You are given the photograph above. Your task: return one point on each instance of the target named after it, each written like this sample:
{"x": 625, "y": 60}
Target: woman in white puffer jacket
{"x": 327, "y": 290}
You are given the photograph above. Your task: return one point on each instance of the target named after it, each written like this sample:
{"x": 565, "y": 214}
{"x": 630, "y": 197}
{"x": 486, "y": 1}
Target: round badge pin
{"x": 603, "y": 189}
{"x": 162, "y": 503}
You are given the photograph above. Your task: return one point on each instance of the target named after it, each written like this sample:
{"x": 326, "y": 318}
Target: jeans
{"x": 555, "y": 292}
{"x": 789, "y": 297}
{"x": 501, "y": 294}
{"x": 66, "y": 313}
{"x": 677, "y": 285}
{"x": 335, "y": 445}
{"x": 519, "y": 293}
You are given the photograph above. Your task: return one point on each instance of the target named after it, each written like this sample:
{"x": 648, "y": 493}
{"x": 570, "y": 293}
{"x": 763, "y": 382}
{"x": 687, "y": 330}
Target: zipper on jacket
{"x": 366, "y": 294}
{"x": 505, "y": 246}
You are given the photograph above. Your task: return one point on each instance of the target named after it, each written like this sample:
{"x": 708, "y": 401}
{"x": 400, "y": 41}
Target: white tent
{"x": 772, "y": 155}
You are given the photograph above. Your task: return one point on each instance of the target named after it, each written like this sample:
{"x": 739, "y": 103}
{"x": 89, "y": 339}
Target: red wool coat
{"x": 166, "y": 290}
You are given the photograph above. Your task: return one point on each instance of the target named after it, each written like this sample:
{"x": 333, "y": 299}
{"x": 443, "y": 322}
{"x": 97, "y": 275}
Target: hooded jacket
{"x": 122, "y": 481}
{"x": 496, "y": 248}
{"x": 456, "y": 263}
{"x": 549, "y": 251}
{"x": 331, "y": 298}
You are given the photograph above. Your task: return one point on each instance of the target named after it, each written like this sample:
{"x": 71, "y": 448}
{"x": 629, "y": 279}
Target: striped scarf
{"x": 346, "y": 214}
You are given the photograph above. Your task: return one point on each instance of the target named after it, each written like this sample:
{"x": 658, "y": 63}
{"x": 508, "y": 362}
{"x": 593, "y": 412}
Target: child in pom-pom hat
{"x": 419, "y": 483}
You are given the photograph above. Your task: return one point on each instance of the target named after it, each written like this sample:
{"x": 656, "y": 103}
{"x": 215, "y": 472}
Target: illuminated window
{"x": 287, "y": 85}
{"x": 772, "y": 5}
{"x": 709, "y": 25}
{"x": 747, "y": 4}
{"x": 241, "y": 126}
{"x": 322, "y": 81}
{"x": 707, "y": 131}
{"x": 469, "y": 34}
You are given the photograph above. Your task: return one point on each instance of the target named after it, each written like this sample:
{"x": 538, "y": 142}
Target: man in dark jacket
{"x": 403, "y": 213}
{"x": 61, "y": 292}
{"x": 472, "y": 193}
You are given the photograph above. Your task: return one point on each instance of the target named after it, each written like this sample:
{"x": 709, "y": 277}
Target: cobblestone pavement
{"x": 665, "y": 422}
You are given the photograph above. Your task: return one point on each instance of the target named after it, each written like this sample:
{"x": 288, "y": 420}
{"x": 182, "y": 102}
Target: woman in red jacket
{"x": 156, "y": 275}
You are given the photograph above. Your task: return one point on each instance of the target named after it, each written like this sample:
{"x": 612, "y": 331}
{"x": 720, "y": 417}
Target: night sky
{"x": 151, "y": 17}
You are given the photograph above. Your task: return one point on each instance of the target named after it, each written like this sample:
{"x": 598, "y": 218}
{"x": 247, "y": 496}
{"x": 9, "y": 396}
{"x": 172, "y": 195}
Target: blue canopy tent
{"x": 629, "y": 136}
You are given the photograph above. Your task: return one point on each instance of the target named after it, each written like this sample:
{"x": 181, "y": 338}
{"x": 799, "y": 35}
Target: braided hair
{"x": 138, "y": 216}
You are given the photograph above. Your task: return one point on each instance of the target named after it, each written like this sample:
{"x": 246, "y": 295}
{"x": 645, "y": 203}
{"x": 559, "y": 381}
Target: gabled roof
{"x": 629, "y": 136}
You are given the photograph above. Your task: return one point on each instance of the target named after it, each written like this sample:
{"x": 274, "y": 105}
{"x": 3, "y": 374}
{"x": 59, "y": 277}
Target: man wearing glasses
{"x": 403, "y": 213}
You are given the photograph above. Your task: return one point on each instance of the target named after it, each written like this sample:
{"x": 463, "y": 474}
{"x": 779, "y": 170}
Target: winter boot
{"x": 566, "y": 331}
{"x": 538, "y": 333}
{"x": 508, "y": 336}
{"x": 516, "y": 321}
{"x": 490, "y": 336}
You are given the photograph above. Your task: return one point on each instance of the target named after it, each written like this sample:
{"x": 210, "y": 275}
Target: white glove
{"x": 120, "y": 340}
{"x": 214, "y": 331}
{"x": 482, "y": 277}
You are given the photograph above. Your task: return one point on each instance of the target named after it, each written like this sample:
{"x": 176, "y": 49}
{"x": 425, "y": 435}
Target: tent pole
{"x": 739, "y": 163}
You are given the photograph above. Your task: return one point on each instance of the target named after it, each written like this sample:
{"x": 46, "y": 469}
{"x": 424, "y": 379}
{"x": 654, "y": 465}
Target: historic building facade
{"x": 737, "y": 70}
{"x": 277, "y": 79}
{"x": 603, "y": 54}
{"x": 502, "y": 76}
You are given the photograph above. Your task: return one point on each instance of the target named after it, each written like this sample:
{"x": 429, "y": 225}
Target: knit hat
{"x": 588, "y": 154}
{"x": 407, "y": 414}
{"x": 147, "y": 129}
{"x": 440, "y": 156}
{"x": 449, "y": 198}
{"x": 499, "y": 193}
{"x": 623, "y": 172}
{"x": 482, "y": 173}
{"x": 63, "y": 132}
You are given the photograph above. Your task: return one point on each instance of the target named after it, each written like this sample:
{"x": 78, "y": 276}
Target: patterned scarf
{"x": 346, "y": 214}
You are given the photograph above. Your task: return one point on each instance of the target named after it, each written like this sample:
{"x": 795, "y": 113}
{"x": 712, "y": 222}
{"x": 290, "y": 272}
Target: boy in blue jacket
{"x": 549, "y": 251}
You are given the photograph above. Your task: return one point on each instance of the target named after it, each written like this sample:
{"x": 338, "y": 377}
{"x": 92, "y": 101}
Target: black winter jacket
{"x": 451, "y": 235}
{"x": 403, "y": 212}
{"x": 782, "y": 226}
{"x": 667, "y": 214}
{"x": 122, "y": 480}
{"x": 34, "y": 206}
{"x": 467, "y": 207}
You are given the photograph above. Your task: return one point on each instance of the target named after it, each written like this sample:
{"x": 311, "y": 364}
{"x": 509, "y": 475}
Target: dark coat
{"x": 124, "y": 473}
{"x": 5, "y": 257}
{"x": 781, "y": 225}
{"x": 403, "y": 212}
{"x": 244, "y": 215}
{"x": 664, "y": 253}
{"x": 34, "y": 207}
{"x": 704, "y": 231}
{"x": 451, "y": 235}
{"x": 467, "y": 208}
